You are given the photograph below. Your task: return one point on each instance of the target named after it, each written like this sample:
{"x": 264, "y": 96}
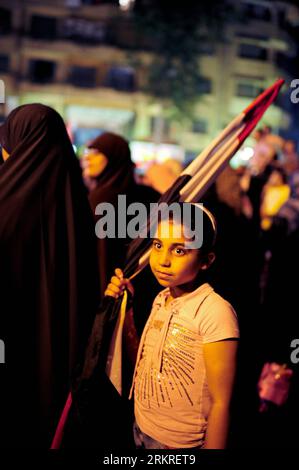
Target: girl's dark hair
{"x": 208, "y": 221}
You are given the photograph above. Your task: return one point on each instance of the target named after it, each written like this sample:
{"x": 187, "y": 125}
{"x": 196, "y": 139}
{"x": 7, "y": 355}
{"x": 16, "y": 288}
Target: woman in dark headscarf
{"x": 48, "y": 274}
{"x": 116, "y": 175}
{"x": 109, "y": 172}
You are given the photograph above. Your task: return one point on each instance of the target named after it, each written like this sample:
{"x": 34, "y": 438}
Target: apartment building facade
{"x": 74, "y": 55}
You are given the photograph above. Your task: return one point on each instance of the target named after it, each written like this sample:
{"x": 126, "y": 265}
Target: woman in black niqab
{"x": 48, "y": 273}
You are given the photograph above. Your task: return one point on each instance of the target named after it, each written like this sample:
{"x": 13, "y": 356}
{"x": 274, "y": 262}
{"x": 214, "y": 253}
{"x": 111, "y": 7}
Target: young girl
{"x": 186, "y": 359}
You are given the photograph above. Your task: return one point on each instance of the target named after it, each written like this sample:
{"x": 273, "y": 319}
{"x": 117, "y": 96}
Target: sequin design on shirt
{"x": 154, "y": 388}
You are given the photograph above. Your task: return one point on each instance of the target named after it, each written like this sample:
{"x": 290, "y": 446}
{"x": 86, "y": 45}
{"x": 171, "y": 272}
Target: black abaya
{"x": 48, "y": 273}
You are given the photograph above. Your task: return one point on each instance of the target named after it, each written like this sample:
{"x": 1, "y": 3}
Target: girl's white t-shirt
{"x": 172, "y": 399}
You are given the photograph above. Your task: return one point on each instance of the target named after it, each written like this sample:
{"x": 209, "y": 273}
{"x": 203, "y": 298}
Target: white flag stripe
{"x": 211, "y": 161}
{"x": 114, "y": 359}
{"x": 210, "y": 176}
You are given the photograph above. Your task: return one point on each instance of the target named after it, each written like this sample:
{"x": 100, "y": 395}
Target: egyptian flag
{"x": 103, "y": 353}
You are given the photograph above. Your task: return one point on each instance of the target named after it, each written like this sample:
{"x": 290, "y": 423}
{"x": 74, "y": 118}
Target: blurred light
{"x": 75, "y": 148}
{"x": 125, "y": 5}
{"x": 242, "y": 157}
{"x": 246, "y": 153}
{"x": 146, "y": 153}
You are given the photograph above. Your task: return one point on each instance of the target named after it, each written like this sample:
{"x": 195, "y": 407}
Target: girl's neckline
{"x": 183, "y": 297}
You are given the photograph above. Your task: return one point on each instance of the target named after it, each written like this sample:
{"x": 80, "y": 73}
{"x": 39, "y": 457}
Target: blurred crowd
{"x": 257, "y": 211}
{"x": 45, "y": 216}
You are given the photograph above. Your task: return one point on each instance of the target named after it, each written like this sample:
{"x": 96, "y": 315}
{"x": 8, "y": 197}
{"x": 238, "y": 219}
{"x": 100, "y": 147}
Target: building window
{"x": 43, "y": 27}
{"x": 84, "y": 31}
{"x": 5, "y": 21}
{"x": 250, "y": 51}
{"x": 204, "y": 85}
{"x": 121, "y": 78}
{"x": 4, "y": 63}
{"x": 248, "y": 90}
{"x": 42, "y": 71}
{"x": 200, "y": 126}
{"x": 85, "y": 77}
{"x": 254, "y": 11}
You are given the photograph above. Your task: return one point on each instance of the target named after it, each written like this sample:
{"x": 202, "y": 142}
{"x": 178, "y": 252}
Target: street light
{"x": 125, "y": 5}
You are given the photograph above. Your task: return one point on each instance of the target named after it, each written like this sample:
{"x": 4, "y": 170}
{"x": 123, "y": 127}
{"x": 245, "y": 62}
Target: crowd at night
{"x": 149, "y": 226}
